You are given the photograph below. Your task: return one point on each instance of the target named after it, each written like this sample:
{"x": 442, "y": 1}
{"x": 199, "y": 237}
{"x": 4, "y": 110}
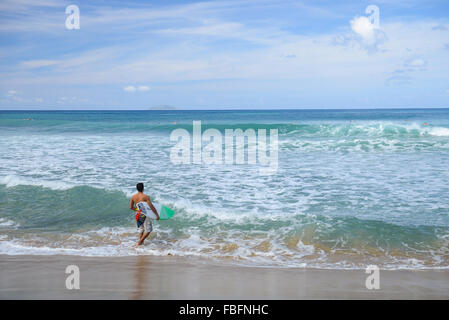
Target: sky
{"x": 228, "y": 54}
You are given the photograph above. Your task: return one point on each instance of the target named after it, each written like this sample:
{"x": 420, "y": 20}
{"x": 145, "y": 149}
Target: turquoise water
{"x": 352, "y": 187}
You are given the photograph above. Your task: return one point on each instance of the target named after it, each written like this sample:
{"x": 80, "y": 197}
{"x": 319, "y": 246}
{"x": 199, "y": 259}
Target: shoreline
{"x": 152, "y": 277}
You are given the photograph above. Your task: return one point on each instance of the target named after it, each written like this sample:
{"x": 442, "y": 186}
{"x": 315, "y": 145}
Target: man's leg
{"x": 147, "y": 228}
{"x": 142, "y": 238}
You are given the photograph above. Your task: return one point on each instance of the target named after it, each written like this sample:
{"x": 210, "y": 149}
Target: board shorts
{"x": 145, "y": 225}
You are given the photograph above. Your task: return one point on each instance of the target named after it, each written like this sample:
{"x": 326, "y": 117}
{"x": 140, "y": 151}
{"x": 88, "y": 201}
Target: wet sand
{"x": 149, "y": 277}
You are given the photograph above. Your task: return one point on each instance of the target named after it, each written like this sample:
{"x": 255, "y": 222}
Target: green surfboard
{"x": 165, "y": 213}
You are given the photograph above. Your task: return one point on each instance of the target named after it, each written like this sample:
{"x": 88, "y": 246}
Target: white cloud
{"x": 62, "y": 100}
{"x": 193, "y": 59}
{"x": 134, "y": 89}
{"x": 366, "y": 35}
{"x": 366, "y": 32}
{"x": 143, "y": 88}
{"x": 412, "y": 67}
{"x": 129, "y": 89}
{"x": 38, "y": 99}
{"x": 415, "y": 63}
{"x": 37, "y": 63}
{"x": 209, "y": 29}
{"x": 440, "y": 27}
{"x": 26, "y": 5}
{"x": 363, "y": 27}
{"x": 66, "y": 100}
{"x": 14, "y": 96}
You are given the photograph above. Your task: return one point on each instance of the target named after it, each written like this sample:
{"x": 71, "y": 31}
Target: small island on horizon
{"x": 163, "y": 107}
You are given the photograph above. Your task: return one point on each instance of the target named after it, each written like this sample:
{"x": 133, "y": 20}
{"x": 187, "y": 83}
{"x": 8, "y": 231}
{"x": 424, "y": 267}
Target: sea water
{"x": 352, "y": 187}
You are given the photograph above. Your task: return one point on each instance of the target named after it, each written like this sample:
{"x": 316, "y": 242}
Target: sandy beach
{"x": 149, "y": 277}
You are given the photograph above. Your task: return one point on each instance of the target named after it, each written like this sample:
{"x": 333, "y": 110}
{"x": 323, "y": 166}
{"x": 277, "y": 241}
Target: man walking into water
{"x": 141, "y": 203}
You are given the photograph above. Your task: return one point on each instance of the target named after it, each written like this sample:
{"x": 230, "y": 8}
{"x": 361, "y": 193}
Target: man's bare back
{"x": 140, "y": 197}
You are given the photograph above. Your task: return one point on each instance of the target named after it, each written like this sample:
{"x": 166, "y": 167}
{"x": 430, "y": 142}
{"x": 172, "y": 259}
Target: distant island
{"x": 163, "y": 107}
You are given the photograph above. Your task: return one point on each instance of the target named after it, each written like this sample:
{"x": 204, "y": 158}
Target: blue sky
{"x": 224, "y": 54}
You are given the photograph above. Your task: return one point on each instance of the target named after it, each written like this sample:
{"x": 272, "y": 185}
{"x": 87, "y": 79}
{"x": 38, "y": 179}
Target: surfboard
{"x": 165, "y": 213}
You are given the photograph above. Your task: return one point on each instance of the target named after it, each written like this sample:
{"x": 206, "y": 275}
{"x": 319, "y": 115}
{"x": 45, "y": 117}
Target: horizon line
{"x": 232, "y": 109}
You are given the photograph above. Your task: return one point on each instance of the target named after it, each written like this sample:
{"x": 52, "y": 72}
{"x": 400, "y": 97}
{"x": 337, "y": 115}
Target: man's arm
{"x": 152, "y": 208}
{"x": 131, "y": 204}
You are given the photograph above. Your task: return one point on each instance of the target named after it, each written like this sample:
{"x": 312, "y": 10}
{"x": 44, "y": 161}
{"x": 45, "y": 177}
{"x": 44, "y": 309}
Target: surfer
{"x": 140, "y": 203}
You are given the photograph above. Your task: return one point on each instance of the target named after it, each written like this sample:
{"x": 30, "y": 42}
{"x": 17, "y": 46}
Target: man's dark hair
{"x": 139, "y": 187}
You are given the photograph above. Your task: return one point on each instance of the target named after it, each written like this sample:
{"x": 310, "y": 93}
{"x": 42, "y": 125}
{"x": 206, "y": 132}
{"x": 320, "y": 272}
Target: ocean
{"x": 352, "y": 187}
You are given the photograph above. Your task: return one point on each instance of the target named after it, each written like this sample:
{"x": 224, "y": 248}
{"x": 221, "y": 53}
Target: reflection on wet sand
{"x": 140, "y": 276}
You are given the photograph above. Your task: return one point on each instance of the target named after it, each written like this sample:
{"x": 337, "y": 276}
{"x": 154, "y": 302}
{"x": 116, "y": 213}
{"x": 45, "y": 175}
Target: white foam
{"x": 244, "y": 252}
{"x": 8, "y": 223}
{"x": 439, "y": 132}
{"x": 219, "y": 197}
{"x": 16, "y": 248}
{"x": 12, "y": 181}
